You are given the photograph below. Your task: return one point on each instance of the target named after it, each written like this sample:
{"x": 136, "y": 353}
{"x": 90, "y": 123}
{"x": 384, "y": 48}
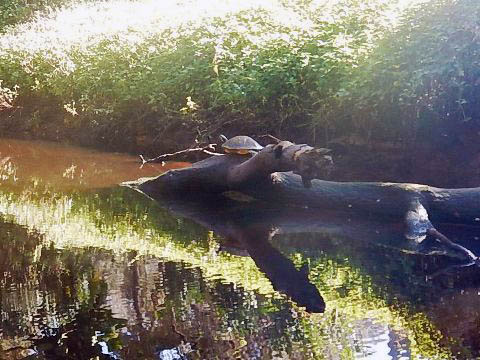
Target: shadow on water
{"x": 88, "y": 270}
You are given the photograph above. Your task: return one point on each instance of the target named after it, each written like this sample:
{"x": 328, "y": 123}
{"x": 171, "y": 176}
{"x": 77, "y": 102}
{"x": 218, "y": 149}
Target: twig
{"x": 443, "y": 239}
{"x": 270, "y": 137}
{"x": 208, "y": 150}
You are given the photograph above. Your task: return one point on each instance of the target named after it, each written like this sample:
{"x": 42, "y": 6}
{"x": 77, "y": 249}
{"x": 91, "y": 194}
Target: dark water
{"x": 91, "y": 270}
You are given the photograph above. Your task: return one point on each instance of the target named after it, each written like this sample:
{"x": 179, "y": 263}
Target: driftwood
{"x": 287, "y": 174}
{"x": 221, "y": 173}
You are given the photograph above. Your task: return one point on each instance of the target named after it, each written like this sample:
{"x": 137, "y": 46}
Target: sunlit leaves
{"x": 421, "y": 80}
{"x": 120, "y": 61}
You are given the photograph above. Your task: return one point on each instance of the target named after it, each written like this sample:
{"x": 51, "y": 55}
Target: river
{"x": 93, "y": 270}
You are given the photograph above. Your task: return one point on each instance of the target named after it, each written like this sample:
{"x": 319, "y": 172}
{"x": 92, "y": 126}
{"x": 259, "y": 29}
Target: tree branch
{"x": 418, "y": 226}
{"x": 445, "y": 240}
{"x": 304, "y": 160}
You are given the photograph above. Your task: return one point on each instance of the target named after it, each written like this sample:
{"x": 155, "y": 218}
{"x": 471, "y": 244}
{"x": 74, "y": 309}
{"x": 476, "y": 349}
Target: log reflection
{"x": 279, "y": 269}
{"x": 248, "y": 228}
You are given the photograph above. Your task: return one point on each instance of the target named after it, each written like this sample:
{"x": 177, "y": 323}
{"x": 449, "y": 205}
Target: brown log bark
{"x": 267, "y": 177}
{"x": 221, "y": 173}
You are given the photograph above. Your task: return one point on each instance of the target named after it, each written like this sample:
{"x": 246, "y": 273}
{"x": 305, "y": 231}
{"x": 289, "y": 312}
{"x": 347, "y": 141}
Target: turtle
{"x": 241, "y": 145}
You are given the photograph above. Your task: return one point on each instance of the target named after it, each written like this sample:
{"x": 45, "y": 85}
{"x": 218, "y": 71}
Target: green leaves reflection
{"x": 119, "y": 251}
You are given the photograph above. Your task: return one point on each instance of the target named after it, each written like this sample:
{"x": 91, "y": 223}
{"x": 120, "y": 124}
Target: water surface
{"x": 92, "y": 270}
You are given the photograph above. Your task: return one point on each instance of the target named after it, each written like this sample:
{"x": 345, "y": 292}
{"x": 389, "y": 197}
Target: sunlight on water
{"x": 90, "y": 267}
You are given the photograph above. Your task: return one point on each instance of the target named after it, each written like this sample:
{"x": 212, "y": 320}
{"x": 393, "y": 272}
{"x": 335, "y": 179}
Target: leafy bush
{"x": 266, "y": 66}
{"x": 422, "y": 82}
{"x": 17, "y": 11}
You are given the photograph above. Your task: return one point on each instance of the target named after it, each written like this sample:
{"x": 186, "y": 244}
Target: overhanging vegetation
{"x": 121, "y": 71}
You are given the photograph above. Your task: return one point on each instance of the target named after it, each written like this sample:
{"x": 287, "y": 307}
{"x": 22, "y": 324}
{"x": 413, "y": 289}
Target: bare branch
{"x": 207, "y": 150}
{"x": 445, "y": 240}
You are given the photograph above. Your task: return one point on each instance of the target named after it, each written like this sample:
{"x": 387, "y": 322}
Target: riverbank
{"x": 394, "y": 91}
{"x": 377, "y": 161}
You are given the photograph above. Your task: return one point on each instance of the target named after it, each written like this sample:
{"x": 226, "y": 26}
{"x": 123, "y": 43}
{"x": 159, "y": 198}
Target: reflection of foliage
{"x": 110, "y": 222}
{"x": 81, "y": 337}
{"x": 138, "y": 213}
{"x": 16, "y": 253}
{"x": 349, "y": 273}
{"x": 121, "y": 220}
{"x": 75, "y": 285}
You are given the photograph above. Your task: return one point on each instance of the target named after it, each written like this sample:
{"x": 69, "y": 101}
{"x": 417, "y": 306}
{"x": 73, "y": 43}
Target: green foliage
{"x": 17, "y": 11}
{"x": 422, "y": 79}
{"x": 290, "y": 67}
{"x": 279, "y": 64}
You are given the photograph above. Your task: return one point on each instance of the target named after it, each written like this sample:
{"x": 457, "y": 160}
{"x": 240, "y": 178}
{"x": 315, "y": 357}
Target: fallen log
{"x": 287, "y": 174}
{"x": 221, "y": 173}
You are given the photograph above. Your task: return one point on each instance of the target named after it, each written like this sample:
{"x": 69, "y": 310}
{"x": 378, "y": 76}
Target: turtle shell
{"x": 241, "y": 145}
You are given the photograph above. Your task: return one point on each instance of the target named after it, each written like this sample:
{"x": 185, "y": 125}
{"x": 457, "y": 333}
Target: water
{"x": 92, "y": 270}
